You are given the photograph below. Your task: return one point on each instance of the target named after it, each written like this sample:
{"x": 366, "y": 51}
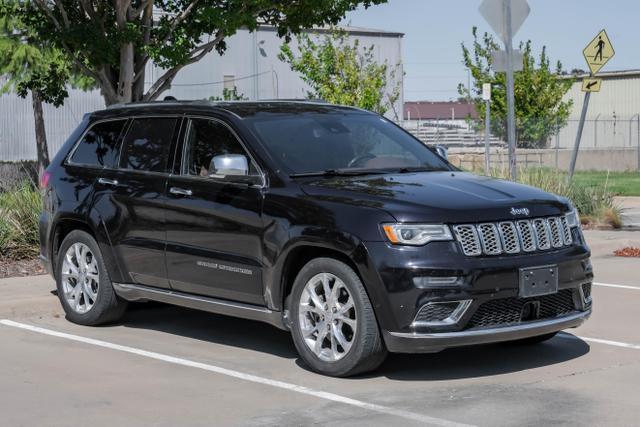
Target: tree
{"x": 539, "y": 90}
{"x": 29, "y": 66}
{"x": 113, "y": 41}
{"x": 343, "y": 73}
{"x": 229, "y": 95}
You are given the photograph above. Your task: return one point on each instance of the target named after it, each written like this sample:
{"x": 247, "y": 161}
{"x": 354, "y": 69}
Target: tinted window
{"x": 99, "y": 146}
{"x": 146, "y": 146}
{"x": 312, "y": 142}
{"x": 207, "y": 139}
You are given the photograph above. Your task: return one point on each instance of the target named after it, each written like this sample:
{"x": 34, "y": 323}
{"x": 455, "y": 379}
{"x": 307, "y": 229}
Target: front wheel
{"x": 84, "y": 286}
{"x": 333, "y": 324}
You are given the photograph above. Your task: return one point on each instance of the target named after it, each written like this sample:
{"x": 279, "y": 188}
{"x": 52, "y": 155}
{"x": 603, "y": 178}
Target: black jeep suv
{"x": 328, "y": 221}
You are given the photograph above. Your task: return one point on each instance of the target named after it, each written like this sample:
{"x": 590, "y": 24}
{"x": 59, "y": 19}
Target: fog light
{"x": 435, "y": 281}
{"x": 585, "y": 293}
{"x": 441, "y": 313}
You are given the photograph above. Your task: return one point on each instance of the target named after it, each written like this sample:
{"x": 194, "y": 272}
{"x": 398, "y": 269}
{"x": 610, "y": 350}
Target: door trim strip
{"x": 131, "y": 292}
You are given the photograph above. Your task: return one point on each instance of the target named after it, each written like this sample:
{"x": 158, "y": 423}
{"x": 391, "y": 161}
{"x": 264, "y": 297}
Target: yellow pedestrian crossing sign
{"x": 598, "y": 52}
{"x": 591, "y": 85}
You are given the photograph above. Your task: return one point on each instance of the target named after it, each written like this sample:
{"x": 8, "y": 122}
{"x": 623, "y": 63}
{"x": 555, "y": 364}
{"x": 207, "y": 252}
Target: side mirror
{"x": 229, "y": 164}
{"x": 233, "y": 168}
{"x": 442, "y": 151}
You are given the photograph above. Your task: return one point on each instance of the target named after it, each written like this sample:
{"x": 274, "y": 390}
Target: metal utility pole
{"x": 576, "y": 147}
{"x": 486, "y": 96}
{"x": 511, "y": 114}
{"x": 506, "y": 17}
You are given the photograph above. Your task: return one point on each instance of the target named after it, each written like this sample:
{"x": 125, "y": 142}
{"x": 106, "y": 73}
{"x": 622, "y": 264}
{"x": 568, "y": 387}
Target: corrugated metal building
{"x": 613, "y": 115}
{"x": 250, "y": 64}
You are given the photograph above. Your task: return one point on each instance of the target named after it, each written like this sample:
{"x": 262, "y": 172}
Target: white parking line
{"x": 246, "y": 377}
{"x": 611, "y": 285}
{"x": 601, "y": 341}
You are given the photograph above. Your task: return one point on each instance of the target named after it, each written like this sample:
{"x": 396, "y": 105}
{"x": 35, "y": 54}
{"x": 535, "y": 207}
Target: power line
{"x": 235, "y": 79}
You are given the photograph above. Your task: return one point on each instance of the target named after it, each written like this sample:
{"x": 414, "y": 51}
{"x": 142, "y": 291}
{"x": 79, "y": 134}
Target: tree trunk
{"x": 41, "y": 135}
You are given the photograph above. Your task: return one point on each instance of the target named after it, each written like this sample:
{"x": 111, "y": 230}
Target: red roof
{"x": 426, "y": 110}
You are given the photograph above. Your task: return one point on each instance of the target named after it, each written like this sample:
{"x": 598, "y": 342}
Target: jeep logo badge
{"x": 519, "y": 211}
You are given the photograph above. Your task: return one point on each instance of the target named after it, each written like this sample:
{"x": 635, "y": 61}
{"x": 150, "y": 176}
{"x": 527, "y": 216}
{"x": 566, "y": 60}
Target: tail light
{"x": 44, "y": 179}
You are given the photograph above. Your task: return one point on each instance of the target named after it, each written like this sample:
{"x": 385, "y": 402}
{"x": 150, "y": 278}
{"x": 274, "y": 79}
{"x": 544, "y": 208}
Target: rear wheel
{"x": 333, "y": 324}
{"x": 84, "y": 286}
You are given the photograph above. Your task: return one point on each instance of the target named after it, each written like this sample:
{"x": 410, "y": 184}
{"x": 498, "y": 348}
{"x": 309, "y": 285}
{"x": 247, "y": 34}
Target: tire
{"x": 356, "y": 351}
{"x": 534, "y": 340}
{"x": 95, "y": 303}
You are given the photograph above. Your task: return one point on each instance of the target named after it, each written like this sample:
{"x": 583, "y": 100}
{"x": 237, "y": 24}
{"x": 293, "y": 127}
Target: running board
{"x": 131, "y": 292}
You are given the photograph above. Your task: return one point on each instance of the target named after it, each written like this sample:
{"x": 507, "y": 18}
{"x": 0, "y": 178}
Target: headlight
{"x": 416, "y": 234}
{"x": 573, "y": 220}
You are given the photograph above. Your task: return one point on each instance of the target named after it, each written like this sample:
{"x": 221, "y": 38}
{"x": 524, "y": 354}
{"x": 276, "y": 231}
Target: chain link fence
{"x": 610, "y": 144}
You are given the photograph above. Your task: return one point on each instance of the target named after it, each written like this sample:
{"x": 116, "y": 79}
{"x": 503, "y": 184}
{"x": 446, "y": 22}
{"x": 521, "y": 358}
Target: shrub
{"x": 594, "y": 203}
{"x": 19, "y": 214}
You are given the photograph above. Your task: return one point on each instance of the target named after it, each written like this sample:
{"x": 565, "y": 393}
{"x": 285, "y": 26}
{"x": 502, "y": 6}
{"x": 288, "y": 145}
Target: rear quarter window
{"x": 99, "y": 145}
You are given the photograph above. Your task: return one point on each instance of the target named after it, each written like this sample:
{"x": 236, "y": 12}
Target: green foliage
{"x": 229, "y": 95}
{"x": 28, "y": 64}
{"x": 19, "y": 214}
{"x": 540, "y": 111}
{"x": 112, "y": 41}
{"x": 594, "y": 202}
{"x": 343, "y": 73}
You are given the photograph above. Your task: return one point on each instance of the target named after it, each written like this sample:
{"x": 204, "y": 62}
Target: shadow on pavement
{"x": 457, "y": 363}
{"x": 209, "y": 327}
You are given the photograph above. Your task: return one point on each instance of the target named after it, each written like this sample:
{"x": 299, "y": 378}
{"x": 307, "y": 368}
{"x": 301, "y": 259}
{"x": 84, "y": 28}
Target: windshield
{"x": 315, "y": 142}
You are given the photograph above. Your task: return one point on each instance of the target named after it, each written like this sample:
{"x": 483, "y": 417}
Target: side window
{"x": 207, "y": 139}
{"x": 99, "y": 146}
{"x": 146, "y": 146}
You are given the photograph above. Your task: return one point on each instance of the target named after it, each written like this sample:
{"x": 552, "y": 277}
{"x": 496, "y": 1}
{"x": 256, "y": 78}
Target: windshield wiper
{"x": 418, "y": 169}
{"x": 339, "y": 172}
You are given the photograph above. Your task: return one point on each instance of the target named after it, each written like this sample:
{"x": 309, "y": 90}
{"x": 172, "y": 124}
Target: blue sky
{"x": 434, "y": 30}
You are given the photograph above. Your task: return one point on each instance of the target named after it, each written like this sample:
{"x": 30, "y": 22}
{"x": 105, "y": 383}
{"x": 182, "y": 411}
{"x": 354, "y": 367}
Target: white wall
{"x": 257, "y": 77}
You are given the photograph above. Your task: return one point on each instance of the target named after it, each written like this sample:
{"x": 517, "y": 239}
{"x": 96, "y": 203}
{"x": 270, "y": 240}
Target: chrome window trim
{"x": 188, "y": 118}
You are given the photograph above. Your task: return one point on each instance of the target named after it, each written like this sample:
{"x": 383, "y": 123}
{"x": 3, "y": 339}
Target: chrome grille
{"x": 542, "y": 234}
{"x": 509, "y": 237}
{"x": 513, "y": 237}
{"x": 555, "y": 233}
{"x": 527, "y": 237}
{"x": 468, "y": 238}
{"x": 566, "y": 231}
{"x": 489, "y": 239}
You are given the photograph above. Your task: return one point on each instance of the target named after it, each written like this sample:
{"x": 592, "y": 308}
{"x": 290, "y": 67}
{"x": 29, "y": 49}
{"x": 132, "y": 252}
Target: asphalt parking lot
{"x": 171, "y": 366}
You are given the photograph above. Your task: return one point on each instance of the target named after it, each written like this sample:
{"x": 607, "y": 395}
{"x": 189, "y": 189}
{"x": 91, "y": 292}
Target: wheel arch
{"x": 92, "y": 225}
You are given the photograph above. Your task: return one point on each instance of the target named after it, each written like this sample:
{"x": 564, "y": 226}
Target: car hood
{"x": 450, "y": 197}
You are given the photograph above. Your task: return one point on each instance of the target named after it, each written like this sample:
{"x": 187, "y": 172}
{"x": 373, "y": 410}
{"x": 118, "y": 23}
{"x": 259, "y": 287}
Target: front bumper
{"x": 400, "y": 342}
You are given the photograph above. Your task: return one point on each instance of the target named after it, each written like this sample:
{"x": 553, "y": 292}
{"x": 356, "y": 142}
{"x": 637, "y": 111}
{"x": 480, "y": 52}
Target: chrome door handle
{"x": 107, "y": 181}
{"x": 180, "y": 191}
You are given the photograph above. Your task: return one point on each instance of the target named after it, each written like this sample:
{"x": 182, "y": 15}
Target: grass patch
{"x": 19, "y": 215}
{"x": 594, "y": 202}
{"x": 619, "y": 183}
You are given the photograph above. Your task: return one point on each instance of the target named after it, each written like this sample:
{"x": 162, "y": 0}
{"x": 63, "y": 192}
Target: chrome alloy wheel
{"x": 80, "y": 278}
{"x": 327, "y": 317}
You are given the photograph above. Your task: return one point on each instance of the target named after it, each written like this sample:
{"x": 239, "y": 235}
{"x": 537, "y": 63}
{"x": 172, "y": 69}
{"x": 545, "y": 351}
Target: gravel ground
{"x": 13, "y": 268}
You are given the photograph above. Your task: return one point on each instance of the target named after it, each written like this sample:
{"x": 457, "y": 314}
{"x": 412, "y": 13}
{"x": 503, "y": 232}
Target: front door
{"x": 214, "y": 227}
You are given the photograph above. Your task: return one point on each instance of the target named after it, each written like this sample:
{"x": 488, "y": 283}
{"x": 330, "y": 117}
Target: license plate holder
{"x": 536, "y": 281}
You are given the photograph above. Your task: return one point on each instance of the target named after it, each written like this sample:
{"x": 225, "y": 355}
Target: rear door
{"x": 133, "y": 199}
{"x": 214, "y": 227}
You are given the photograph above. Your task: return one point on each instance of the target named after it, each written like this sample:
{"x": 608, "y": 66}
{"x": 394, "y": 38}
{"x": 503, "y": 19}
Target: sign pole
{"x": 511, "y": 120}
{"x": 486, "y": 96}
{"x": 487, "y": 134}
{"x": 576, "y": 147}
